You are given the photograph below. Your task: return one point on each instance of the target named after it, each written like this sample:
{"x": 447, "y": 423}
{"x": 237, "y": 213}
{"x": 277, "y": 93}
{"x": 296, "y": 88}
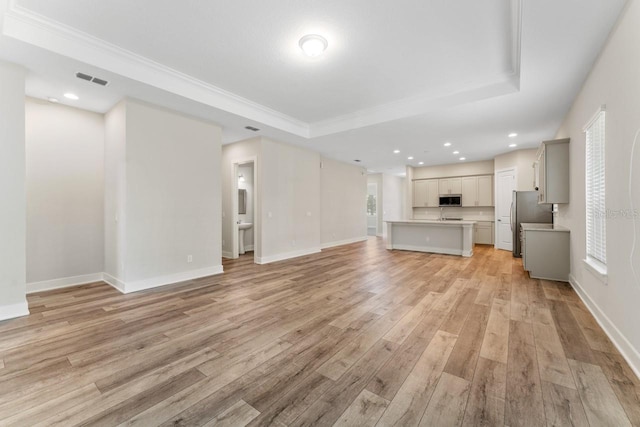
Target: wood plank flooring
{"x": 353, "y": 336}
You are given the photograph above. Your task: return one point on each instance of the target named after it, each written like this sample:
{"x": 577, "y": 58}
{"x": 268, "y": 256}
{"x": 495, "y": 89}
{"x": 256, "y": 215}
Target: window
{"x": 595, "y": 193}
{"x": 372, "y": 203}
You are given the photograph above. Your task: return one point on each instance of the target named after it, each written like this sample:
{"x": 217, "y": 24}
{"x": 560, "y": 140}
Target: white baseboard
{"x": 64, "y": 282}
{"x": 248, "y": 248}
{"x": 114, "y": 282}
{"x": 226, "y": 254}
{"x": 343, "y": 242}
{"x": 154, "y": 282}
{"x": 623, "y": 345}
{"x": 11, "y": 311}
{"x": 286, "y": 255}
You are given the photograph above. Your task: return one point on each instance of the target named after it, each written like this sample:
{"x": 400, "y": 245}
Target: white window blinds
{"x": 595, "y": 190}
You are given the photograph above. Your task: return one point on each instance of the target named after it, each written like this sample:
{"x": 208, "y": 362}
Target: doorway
{"x": 505, "y": 184}
{"x": 372, "y": 209}
{"x": 244, "y": 207}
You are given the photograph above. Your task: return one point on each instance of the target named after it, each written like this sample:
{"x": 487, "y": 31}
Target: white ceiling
{"x": 408, "y": 74}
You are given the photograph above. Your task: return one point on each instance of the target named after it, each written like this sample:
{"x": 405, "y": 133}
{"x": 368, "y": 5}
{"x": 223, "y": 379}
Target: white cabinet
{"x": 477, "y": 191}
{"x": 545, "y": 253}
{"x": 450, "y": 185}
{"x": 552, "y": 171}
{"x": 425, "y": 193}
{"x": 483, "y": 233}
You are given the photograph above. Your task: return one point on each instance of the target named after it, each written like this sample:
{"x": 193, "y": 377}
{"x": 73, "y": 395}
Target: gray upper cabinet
{"x": 552, "y": 171}
{"x": 477, "y": 191}
{"x": 450, "y": 185}
{"x": 425, "y": 193}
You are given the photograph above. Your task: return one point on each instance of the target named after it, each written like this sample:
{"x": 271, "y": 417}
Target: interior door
{"x": 505, "y": 184}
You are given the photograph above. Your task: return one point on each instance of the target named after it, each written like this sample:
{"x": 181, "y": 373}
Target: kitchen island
{"x": 441, "y": 237}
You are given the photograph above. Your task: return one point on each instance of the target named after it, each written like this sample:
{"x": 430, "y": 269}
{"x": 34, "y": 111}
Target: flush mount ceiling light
{"x": 313, "y": 45}
{"x": 410, "y": 158}
{"x": 513, "y": 135}
{"x": 463, "y": 158}
{"x": 456, "y": 152}
{"x": 513, "y": 145}
{"x": 447, "y": 144}
{"x": 72, "y": 96}
{"x": 396, "y": 151}
{"x": 421, "y": 163}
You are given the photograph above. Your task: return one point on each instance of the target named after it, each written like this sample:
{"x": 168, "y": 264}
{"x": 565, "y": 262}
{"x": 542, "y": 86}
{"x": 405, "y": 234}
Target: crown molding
{"x": 508, "y": 83}
{"x": 29, "y": 27}
{"x": 24, "y": 25}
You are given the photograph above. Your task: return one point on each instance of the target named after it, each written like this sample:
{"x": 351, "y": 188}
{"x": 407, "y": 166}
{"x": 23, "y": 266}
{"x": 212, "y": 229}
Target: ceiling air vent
{"x": 100, "y": 81}
{"x": 251, "y": 128}
{"x": 92, "y": 79}
{"x": 83, "y": 76}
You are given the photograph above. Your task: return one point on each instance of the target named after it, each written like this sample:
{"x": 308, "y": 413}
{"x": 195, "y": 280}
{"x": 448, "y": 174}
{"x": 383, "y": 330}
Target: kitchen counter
{"x": 545, "y": 251}
{"x": 452, "y": 237}
{"x": 543, "y": 227}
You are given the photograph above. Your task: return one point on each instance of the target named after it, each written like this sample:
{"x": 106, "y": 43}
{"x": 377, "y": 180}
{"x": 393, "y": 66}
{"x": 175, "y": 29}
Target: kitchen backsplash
{"x": 474, "y": 214}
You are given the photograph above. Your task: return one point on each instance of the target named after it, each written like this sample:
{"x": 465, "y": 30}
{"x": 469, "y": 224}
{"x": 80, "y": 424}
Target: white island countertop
{"x": 452, "y": 237}
{"x": 434, "y": 221}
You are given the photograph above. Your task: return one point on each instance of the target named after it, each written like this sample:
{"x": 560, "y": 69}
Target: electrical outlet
{"x": 189, "y": 258}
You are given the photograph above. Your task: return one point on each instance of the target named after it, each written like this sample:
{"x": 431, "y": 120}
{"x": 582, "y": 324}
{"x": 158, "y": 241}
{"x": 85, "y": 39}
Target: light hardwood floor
{"x": 353, "y": 336}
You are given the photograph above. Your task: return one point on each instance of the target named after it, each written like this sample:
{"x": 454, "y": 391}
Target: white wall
{"x": 522, "y": 160}
{"x": 115, "y": 180}
{"x": 290, "y": 182}
{"x": 173, "y": 196}
{"x": 13, "y": 302}
{"x": 343, "y": 203}
{"x": 247, "y": 172}
{"x": 614, "y": 81}
{"x": 162, "y": 198}
{"x": 393, "y": 199}
{"x": 484, "y": 167}
{"x": 65, "y": 194}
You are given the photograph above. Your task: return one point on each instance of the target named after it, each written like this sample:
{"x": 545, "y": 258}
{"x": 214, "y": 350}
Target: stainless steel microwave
{"x": 450, "y": 200}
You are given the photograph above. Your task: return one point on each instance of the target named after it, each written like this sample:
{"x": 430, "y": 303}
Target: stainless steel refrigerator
{"x": 525, "y": 208}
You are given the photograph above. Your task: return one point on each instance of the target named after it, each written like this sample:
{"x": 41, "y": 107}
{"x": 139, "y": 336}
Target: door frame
{"x": 235, "y": 249}
{"x": 513, "y": 169}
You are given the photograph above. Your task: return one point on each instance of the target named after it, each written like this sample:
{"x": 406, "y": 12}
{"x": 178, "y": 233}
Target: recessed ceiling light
{"x": 513, "y": 135}
{"x": 52, "y": 99}
{"x": 396, "y": 151}
{"x": 410, "y": 158}
{"x": 463, "y": 158}
{"x": 447, "y": 144}
{"x": 313, "y": 45}
{"x": 513, "y": 145}
{"x": 71, "y": 96}
{"x": 456, "y": 152}
{"x": 421, "y": 163}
